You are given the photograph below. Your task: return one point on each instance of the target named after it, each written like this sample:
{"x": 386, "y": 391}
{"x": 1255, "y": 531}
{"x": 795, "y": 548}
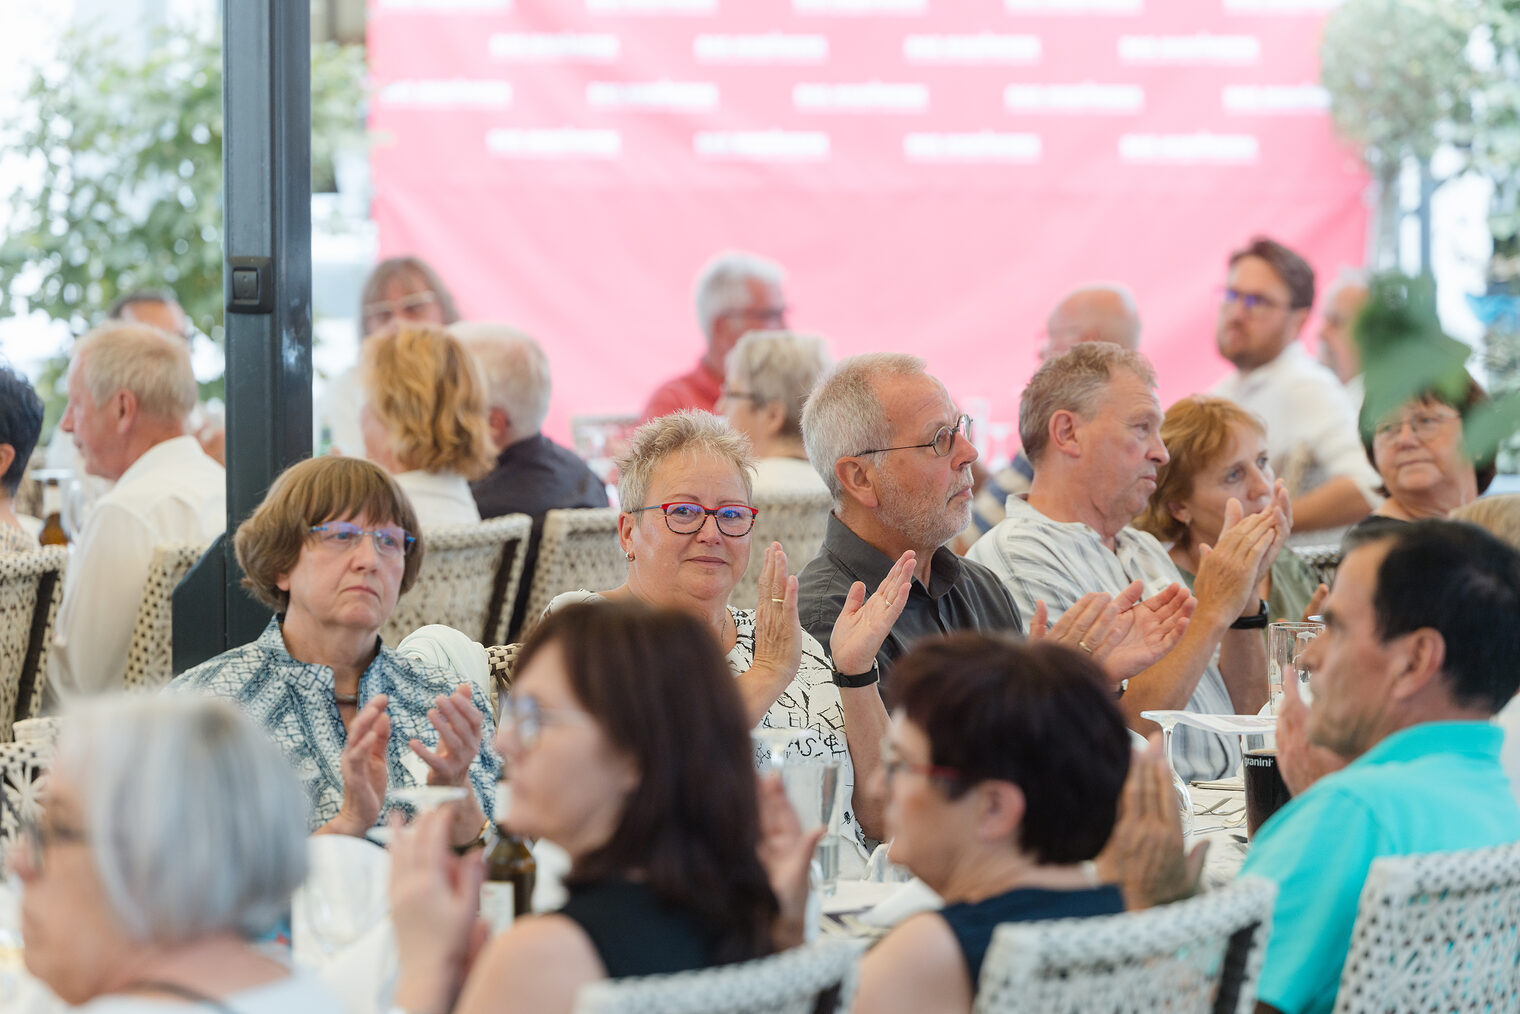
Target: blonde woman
{"x": 424, "y": 420}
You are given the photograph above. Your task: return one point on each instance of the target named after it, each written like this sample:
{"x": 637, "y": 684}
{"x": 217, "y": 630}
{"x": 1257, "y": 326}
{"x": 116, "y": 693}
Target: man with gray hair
{"x": 1338, "y": 350}
{"x": 533, "y": 474}
{"x": 1095, "y": 312}
{"x": 894, "y": 452}
{"x": 737, "y": 292}
{"x": 130, "y": 391}
{"x": 1091, "y": 425}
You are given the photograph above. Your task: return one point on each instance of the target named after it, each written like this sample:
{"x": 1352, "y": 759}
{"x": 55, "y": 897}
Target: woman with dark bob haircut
{"x": 629, "y": 747}
{"x": 330, "y": 549}
{"x": 1004, "y": 767}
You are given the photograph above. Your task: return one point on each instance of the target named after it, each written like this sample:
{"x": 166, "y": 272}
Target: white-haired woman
{"x": 769, "y": 377}
{"x": 172, "y": 834}
{"x": 684, "y": 484}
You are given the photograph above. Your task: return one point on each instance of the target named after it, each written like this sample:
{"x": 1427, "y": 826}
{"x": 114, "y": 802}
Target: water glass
{"x": 810, "y": 775}
{"x": 1286, "y": 641}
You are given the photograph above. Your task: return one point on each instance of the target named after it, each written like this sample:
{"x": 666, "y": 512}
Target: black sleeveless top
{"x": 973, "y": 922}
{"x": 634, "y": 933}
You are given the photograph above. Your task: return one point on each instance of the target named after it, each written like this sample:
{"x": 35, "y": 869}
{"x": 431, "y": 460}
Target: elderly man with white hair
{"x": 130, "y": 391}
{"x": 737, "y": 292}
{"x": 533, "y": 475}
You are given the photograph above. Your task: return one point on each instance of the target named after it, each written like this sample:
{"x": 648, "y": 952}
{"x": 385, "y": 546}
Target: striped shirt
{"x": 1059, "y": 562}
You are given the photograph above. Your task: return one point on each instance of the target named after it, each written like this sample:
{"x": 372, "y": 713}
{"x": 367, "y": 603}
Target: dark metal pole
{"x": 266, "y": 165}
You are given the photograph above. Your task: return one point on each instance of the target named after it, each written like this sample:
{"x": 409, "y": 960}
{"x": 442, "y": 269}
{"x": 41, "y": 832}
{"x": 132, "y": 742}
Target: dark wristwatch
{"x": 864, "y": 679}
{"x": 1256, "y": 622}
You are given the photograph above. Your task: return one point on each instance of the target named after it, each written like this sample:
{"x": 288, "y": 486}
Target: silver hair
{"x": 844, "y": 414}
{"x": 516, "y": 371}
{"x": 1345, "y": 279}
{"x": 721, "y": 284}
{"x": 680, "y": 432}
{"x": 779, "y": 366}
{"x": 1072, "y": 382}
{"x": 195, "y": 820}
{"x": 1078, "y": 311}
{"x": 144, "y": 360}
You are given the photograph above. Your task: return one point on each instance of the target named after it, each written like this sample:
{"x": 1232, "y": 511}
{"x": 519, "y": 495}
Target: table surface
{"x": 1219, "y": 817}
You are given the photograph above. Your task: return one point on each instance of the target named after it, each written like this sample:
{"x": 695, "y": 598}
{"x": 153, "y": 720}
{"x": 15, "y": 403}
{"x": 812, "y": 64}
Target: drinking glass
{"x": 810, "y": 775}
{"x": 1168, "y": 725}
{"x": 1286, "y": 641}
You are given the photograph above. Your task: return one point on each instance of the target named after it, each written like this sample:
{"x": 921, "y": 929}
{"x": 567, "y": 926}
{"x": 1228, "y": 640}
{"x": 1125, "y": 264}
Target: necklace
{"x": 350, "y": 699}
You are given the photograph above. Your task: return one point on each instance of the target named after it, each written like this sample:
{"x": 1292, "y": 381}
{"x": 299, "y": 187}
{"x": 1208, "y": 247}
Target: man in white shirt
{"x": 1091, "y": 425}
{"x": 1311, "y": 426}
{"x": 1338, "y": 350}
{"x": 130, "y": 391}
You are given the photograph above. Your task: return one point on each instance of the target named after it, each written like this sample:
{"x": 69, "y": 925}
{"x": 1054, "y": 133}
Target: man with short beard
{"x": 894, "y": 451}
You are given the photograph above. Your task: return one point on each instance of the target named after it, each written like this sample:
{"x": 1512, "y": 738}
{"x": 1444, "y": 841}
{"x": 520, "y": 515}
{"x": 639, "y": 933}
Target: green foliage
{"x": 127, "y": 158}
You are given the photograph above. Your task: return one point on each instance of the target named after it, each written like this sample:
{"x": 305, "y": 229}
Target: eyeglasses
{"x": 406, "y": 306}
{"x": 764, "y": 314}
{"x": 1251, "y": 302}
{"x": 33, "y": 839}
{"x": 345, "y": 535}
{"x": 944, "y": 440}
{"x": 745, "y": 395}
{"x": 527, "y": 718}
{"x": 892, "y": 765}
{"x": 733, "y": 519}
{"x": 1424, "y": 424}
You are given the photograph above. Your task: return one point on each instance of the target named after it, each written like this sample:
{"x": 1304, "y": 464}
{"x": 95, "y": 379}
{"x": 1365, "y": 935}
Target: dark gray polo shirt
{"x": 964, "y": 595}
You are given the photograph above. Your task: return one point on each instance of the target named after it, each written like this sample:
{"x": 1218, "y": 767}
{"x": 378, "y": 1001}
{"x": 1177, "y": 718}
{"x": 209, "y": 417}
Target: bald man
{"x": 1095, "y": 312}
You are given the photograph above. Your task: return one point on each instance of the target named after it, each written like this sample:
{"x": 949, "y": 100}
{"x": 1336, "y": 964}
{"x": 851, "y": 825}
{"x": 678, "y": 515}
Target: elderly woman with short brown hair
{"x": 424, "y": 419}
{"x": 684, "y": 485}
{"x": 330, "y": 549}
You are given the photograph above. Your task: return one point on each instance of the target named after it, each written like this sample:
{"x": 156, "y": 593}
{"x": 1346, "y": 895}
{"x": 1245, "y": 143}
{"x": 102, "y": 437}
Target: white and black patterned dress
{"x": 294, "y": 703}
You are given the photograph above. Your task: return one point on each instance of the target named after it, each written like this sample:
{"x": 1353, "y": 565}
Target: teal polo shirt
{"x": 1429, "y": 788}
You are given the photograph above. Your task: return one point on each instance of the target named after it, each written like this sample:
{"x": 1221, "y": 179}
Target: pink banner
{"x": 934, "y": 174}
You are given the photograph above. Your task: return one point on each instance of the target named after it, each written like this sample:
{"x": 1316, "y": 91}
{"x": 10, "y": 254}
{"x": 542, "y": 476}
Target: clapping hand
{"x": 435, "y": 896}
{"x": 864, "y": 623}
{"x": 460, "y": 726}
{"x": 365, "y": 769}
{"x": 1144, "y": 855}
{"x": 1230, "y": 572}
{"x": 778, "y": 632}
{"x": 1153, "y": 628}
{"x": 1301, "y": 762}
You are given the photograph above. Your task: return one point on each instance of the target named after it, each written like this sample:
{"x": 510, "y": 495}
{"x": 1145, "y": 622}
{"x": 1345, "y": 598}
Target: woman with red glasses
{"x": 685, "y": 488}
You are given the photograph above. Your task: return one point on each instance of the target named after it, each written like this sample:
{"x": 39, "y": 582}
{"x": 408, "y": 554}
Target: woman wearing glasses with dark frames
{"x": 1004, "y": 766}
{"x": 329, "y": 550}
{"x": 684, "y": 484}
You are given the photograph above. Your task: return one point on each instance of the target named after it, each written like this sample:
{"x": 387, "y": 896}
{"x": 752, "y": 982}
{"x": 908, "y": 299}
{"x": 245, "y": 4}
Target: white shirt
{"x": 1311, "y": 426}
{"x": 300, "y": 992}
{"x": 1058, "y": 562}
{"x": 172, "y": 493}
{"x": 787, "y": 475}
{"x": 439, "y": 498}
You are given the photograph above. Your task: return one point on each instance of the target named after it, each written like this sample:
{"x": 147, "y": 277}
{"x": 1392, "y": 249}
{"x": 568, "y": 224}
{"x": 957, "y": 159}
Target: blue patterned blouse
{"x": 294, "y": 702}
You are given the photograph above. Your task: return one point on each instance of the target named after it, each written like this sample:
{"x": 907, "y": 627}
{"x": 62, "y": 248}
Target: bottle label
{"x": 496, "y": 904}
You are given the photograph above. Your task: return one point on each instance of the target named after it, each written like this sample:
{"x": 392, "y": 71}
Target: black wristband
{"x": 864, "y": 679}
{"x": 1256, "y": 622}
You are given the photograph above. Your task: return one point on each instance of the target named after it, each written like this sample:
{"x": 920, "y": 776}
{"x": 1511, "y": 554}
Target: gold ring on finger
{"x": 1085, "y": 647}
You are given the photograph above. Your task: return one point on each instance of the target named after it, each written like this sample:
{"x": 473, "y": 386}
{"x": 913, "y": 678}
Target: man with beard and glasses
{"x": 894, "y": 451}
{"x": 1091, "y": 424}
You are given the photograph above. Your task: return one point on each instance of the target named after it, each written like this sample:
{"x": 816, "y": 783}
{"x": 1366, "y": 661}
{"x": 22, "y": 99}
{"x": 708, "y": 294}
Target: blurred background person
{"x": 1004, "y": 767}
{"x": 398, "y": 290}
{"x": 629, "y": 747}
{"x": 172, "y": 835}
{"x": 736, "y": 292}
{"x": 424, "y": 419}
{"x": 1342, "y": 303}
{"x": 330, "y": 549}
{"x": 1218, "y": 452}
{"x": 130, "y": 390}
{"x": 769, "y": 377}
{"x": 20, "y": 425}
{"x": 532, "y": 475}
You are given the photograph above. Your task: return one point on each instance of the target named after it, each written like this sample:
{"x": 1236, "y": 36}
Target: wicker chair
{"x": 816, "y": 978}
{"x": 468, "y": 580}
{"x": 1323, "y": 560}
{"x": 150, "y": 658}
{"x": 578, "y": 549}
{"x": 797, "y": 521}
{"x": 1200, "y": 956}
{"x": 1436, "y": 932}
{"x": 31, "y": 586}
{"x": 501, "y": 663}
{"x": 22, "y": 766}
